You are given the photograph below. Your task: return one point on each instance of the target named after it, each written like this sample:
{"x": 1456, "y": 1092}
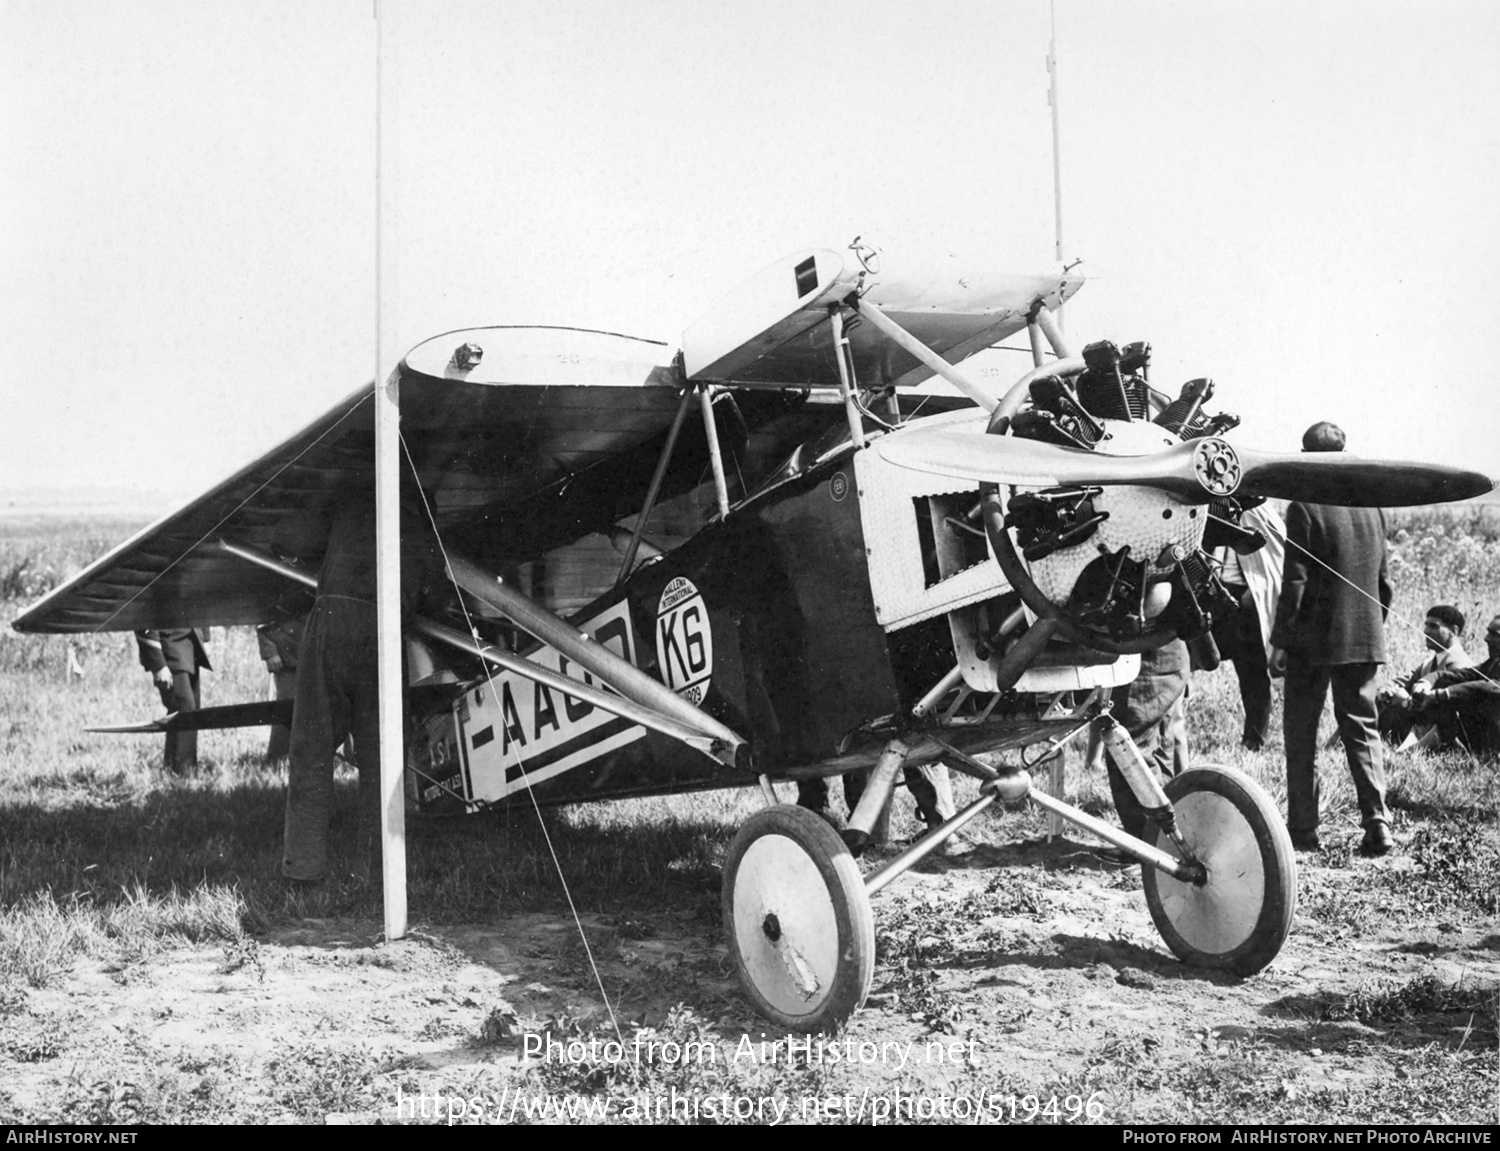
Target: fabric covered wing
{"x": 770, "y": 330}
{"x": 552, "y": 435}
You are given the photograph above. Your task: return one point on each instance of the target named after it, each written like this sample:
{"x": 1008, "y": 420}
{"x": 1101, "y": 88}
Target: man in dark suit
{"x": 337, "y": 694}
{"x": 173, "y": 660}
{"x": 1330, "y": 629}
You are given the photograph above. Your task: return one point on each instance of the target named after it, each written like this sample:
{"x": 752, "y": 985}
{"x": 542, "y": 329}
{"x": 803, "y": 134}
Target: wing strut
{"x": 846, "y": 378}
{"x": 900, "y": 336}
{"x": 715, "y": 457}
{"x": 655, "y": 487}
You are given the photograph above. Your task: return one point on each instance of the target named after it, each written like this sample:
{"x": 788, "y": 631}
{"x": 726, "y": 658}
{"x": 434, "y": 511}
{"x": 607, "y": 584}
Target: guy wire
{"x": 536, "y": 807}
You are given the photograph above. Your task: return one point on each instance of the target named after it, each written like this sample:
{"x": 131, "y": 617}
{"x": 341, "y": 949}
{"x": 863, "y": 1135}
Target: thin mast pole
{"x": 387, "y": 486}
{"x": 1053, "y": 103}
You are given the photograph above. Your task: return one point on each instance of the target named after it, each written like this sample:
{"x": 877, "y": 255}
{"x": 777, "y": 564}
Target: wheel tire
{"x": 1237, "y": 920}
{"x": 798, "y": 920}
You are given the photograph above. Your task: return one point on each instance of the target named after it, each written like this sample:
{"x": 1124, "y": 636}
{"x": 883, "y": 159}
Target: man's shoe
{"x": 1377, "y": 840}
{"x": 1117, "y": 856}
{"x": 1306, "y": 841}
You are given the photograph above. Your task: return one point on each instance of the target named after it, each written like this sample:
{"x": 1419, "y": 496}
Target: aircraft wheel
{"x": 1241, "y": 916}
{"x": 798, "y": 920}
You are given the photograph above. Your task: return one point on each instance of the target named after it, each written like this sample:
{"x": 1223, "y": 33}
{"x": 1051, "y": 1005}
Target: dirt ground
{"x": 1040, "y": 963}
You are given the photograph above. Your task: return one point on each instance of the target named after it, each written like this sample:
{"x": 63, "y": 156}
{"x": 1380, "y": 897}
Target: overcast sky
{"x": 1297, "y": 200}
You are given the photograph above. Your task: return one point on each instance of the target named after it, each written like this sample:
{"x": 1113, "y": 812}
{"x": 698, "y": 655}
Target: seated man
{"x": 1399, "y": 721}
{"x": 1464, "y": 703}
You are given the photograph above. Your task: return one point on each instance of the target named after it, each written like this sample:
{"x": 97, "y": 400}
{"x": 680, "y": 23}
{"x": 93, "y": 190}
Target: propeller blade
{"x": 1195, "y": 472}
{"x": 259, "y": 714}
{"x": 1032, "y": 463}
{"x": 1337, "y": 478}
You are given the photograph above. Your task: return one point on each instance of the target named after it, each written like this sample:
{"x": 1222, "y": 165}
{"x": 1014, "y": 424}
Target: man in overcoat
{"x": 1330, "y": 630}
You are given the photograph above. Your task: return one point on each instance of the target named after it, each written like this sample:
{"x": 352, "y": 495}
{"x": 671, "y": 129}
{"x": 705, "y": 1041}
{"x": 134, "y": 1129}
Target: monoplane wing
{"x": 550, "y": 435}
{"x": 529, "y": 439}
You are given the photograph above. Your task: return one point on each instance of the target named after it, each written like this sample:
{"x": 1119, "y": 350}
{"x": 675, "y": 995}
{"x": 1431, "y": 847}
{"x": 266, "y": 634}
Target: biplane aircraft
{"x": 762, "y": 556}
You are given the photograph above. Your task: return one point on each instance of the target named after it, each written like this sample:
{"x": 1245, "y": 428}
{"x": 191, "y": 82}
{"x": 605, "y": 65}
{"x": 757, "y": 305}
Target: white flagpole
{"x": 387, "y": 485}
{"x": 1052, "y": 102}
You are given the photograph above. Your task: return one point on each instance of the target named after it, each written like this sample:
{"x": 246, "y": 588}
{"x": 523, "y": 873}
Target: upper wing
{"x": 771, "y": 329}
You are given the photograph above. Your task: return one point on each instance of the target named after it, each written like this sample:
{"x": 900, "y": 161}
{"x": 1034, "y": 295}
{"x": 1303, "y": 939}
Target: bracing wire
{"x": 535, "y": 806}
{"x": 1403, "y": 620}
{"x": 473, "y": 631}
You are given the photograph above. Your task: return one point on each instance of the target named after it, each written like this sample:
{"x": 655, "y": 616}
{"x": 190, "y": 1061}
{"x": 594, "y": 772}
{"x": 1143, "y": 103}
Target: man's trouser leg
{"x": 280, "y": 743}
{"x": 181, "y": 752}
{"x": 1394, "y": 720}
{"x": 1171, "y": 757}
{"x": 1483, "y": 726}
{"x": 316, "y": 732}
{"x": 1255, "y": 694}
{"x": 1487, "y": 729}
{"x": 813, "y": 795}
{"x": 931, "y": 787}
{"x": 364, "y": 726}
{"x": 1240, "y": 642}
{"x": 1475, "y": 723}
{"x": 1302, "y": 706}
{"x": 1354, "y": 708}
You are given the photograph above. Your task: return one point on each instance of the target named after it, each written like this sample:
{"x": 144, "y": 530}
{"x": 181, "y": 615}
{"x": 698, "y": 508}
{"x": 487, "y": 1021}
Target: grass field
{"x": 120, "y": 886}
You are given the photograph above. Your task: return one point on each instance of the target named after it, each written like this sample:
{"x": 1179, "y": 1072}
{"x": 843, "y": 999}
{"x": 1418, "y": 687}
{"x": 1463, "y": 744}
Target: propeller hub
{"x": 1217, "y": 467}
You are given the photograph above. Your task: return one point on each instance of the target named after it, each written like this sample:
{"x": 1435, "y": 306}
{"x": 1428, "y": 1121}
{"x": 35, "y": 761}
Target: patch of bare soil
{"x": 1040, "y": 963}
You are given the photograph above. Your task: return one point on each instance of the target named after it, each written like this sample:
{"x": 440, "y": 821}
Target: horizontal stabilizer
{"x": 262, "y": 714}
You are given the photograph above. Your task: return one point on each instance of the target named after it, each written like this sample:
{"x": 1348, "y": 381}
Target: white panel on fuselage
{"x": 512, "y": 729}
